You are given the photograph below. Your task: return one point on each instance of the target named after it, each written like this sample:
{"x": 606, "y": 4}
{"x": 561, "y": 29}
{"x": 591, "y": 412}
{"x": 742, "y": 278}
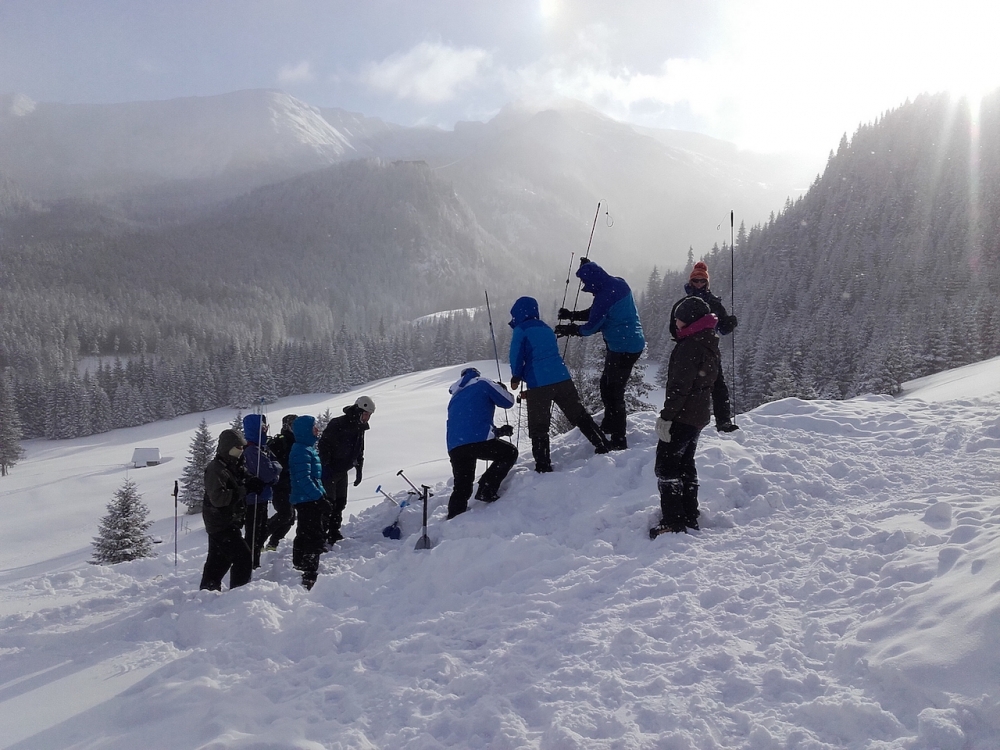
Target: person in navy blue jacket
{"x": 535, "y": 360}
{"x": 259, "y": 463}
{"x": 306, "y": 474}
{"x": 472, "y": 437}
{"x": 614, "y": 314}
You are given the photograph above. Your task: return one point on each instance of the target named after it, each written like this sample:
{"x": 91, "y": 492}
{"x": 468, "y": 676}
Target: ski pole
{"x": 175, "y": 523}
{"x": 253, "y": 525}
{"x": 424, "y": 542}
{"x": 579, "y": 284}
{"x": 496, "y": 354}
{"x": 732, "y": 295}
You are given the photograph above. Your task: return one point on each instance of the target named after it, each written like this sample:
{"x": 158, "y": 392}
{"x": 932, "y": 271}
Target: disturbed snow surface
{"x": 842, "y": 593}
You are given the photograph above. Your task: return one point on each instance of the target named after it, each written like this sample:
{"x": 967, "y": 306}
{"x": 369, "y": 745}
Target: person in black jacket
{"x": 223, "y": 509}
{"x": 342, "y": 448}
{"x": 698, "y": 286}
{"x": 694, "y": 365}
{"x": 283, "y": 519}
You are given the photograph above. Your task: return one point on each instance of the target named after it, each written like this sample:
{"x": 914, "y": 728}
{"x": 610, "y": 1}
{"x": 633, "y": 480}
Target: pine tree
{"x": 122, "y": 533}
{"x": 322, "y": 420}
{"x": 237, "y": 424}
{"x": 202, "y": 451}
{"x": 10, "y": 428}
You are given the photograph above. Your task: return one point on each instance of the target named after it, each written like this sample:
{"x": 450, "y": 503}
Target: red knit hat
{"x": 700, "y": 271}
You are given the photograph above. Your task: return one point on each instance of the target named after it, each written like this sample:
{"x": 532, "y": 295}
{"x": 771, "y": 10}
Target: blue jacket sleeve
{"x": 516, "y": 357}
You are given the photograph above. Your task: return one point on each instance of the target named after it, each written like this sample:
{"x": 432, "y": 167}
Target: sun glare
{"x": 548, "y": 9}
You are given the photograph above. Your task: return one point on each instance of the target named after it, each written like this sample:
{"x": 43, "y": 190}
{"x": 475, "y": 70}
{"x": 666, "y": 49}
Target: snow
{"x": 843, "y": 593}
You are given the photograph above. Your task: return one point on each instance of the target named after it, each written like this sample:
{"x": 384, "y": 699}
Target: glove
{"x": 254, "y": 485}
{"x": 663, "y": 429}
{"x": 584, "y": 261}
{"x": 578, "y": 315}
{"x": 732, "y": 321}
{"x": 567, "y": 329}
{"x": 501, "y": 384}
{"x": 505, "y": 431}
{"x": 357, "y": 476}
{"x": 565, "y": 314}
{"x": 515, "y": 383}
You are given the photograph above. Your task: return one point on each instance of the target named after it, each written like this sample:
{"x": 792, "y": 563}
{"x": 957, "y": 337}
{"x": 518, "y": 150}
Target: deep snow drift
{"x": 842, "y": 593}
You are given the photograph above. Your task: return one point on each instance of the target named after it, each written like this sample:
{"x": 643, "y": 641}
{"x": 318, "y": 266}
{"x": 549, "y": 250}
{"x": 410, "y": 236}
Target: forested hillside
{"x": 887, "y": 269}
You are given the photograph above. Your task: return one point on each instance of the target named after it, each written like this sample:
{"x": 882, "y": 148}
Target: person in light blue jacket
{"x": 535, "y": 361}
{"x": 306, "y": 475}
{"x": 614, "y": 314}
{"x": 472, "y": 437}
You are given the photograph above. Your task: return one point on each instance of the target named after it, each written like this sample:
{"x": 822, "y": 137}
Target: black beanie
{"x": 691, "y": 309}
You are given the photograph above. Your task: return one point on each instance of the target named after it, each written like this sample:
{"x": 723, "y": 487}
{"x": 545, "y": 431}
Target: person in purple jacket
{"x": 472, "y": 437}
{"x": 261, "y": 464}
{"x": 614, "y": 314}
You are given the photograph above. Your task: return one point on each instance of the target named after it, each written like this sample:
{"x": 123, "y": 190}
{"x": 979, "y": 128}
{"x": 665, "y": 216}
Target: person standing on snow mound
{"x": 342, "y": 448}
{"x": 284, "y": 515}
{"x": 259, "y": 463}
{"x": 223, "y": 509}
{"x": 472, "y": 437}
{"x": 694, "y": 365}
{"x": 305, "y": 473}
{"x": 697, "y": 286}
{"x": 535, "y": 360}
{"x": 614, "y": 314}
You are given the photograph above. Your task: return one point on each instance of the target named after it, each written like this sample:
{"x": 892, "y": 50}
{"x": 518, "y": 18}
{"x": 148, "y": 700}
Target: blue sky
{"x": 766, "y": 74}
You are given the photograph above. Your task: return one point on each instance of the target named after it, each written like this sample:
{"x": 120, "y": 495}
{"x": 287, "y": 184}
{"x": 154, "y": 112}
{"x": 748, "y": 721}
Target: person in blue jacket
{"x": 535, "y": 360}
{"x": 306, "y": 474}
{"x": 614, "y": 314}
{"x": 472, "y": 437}
{"x": 259, "y": 463}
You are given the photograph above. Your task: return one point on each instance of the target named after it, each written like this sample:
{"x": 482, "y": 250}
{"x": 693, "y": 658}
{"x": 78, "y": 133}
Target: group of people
{"x": 305, "y": 474}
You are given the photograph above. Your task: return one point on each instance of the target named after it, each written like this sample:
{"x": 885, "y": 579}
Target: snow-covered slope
{"x": 842, "y": 594}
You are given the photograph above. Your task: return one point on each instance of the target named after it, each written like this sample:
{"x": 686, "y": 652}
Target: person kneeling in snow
{"x": 687, "y": 406}
{"x": 472, "y": 437}
{"x": 223, "y": 509}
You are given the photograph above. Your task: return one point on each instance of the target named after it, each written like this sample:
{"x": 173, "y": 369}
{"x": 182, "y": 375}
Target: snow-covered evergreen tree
{"x": 237, "y": 423}
{"x": 10, "y": 428}
{"x": 122, "y": 534}
{"x": 201, "y": 451}
{"x": 322, "y": 420}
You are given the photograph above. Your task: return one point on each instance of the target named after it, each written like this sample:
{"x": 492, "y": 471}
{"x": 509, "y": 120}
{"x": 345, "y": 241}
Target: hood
{"x": 526, "y": 308}
{"x": 302, "y": 428}
{"x": 255, "y": 428}
{"x": 593, "y": 277}
{"x": 468, "y": 375}
{"x": 229, "y": 439}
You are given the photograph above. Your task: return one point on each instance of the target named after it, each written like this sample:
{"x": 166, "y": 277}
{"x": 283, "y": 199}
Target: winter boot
{"x": 672, "y": 504}
{"x": 486, "y": 494}
{"x": 590, "y": 431}
{"x": 617, "y": 442}
{"x": 540, "y": 452}
{"x": 689, "y": 500}
{"x": 725, "y": 425}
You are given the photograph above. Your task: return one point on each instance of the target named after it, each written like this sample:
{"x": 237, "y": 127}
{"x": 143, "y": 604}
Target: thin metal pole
{"x": 175, "y": 523}
{"x": 732, "y": 296}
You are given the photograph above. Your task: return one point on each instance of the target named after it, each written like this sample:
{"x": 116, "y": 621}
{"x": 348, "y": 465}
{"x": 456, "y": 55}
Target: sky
{"x": 841, "y": 593}
{"x": 769, "y": 75}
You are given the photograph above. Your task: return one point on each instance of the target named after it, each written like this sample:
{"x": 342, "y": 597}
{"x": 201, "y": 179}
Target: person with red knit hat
{"x": 698, "y": 286}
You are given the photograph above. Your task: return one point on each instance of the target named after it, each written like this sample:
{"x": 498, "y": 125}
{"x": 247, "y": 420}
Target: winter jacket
{"x": 259, "y": 461}
{"x": 534, "y": 351}
{"x": 280, "y": 445}
{"x": 727, "y": 322}
{"x": 470, "y": 410}
{"x": 342, "y": 445}
{"x": 691, "y": 373}
{"x": 304, "y": 468}
{"x": 613, "y": 312}
{"x": 223, "y": 507}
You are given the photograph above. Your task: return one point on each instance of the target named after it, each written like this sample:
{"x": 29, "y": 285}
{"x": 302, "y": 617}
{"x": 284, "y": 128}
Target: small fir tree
{"x": 202, "y": 451}
{"x": 10, "y": 428}
{"x": 237, "y": 423}
{"x": 122, "y": 533}
{"x": 322, "y": 420}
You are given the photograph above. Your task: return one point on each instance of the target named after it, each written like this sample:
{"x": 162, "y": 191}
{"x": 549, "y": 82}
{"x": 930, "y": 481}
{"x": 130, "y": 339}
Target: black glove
{"x": 505, "y": 431}
{"x": 565, "y": 314}
{"x": 579, "y": 315}
{"x": 567, "y": 329}
{"x": 357, "y": 476}
{"x": 254, "y": 485}
{"x": 501, "y": 384}
{"x": 732, "y": 321}
{"x": 515, "y": 383}
{"x": 584, "y": 261}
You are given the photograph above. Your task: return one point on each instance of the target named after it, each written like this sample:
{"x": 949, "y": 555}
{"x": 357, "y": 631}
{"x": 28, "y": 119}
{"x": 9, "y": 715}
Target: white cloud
{"x": 429, "y": 73}
{"x": 300, "y": 73}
